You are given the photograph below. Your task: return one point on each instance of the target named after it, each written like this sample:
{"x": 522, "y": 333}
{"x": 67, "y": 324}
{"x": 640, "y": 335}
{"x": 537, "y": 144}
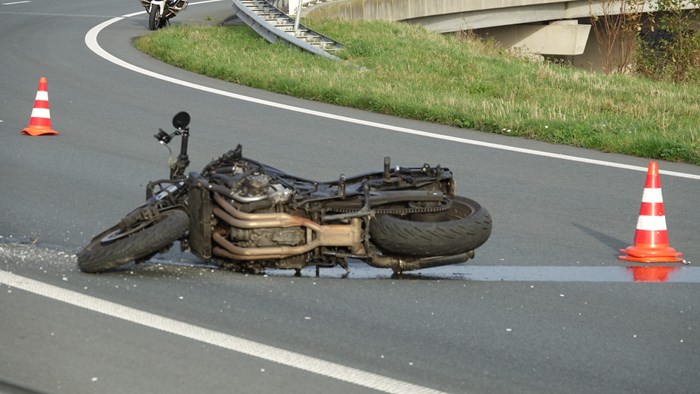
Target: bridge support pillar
{"x": 562, "y": 38}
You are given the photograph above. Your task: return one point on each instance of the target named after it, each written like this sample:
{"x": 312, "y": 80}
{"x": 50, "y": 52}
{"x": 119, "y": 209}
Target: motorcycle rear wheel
{"x": 101, "y": 256}
{"x": 468, "y": 227}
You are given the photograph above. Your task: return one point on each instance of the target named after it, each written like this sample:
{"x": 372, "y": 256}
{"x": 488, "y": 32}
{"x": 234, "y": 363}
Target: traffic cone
{"x": 40, "y": 121}
{"x": 651, "y": 239}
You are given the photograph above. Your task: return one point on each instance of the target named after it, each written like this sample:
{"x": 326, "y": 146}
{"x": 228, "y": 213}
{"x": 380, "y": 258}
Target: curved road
{"x": 545, "y": 307}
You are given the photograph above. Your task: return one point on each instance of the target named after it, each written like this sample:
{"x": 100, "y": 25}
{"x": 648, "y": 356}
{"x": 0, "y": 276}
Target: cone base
{"x": 638, "y": 254}
{"x": 39, "y": 130}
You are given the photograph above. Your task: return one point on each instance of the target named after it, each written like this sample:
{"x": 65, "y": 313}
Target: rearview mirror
{"x": 181, "y": 120}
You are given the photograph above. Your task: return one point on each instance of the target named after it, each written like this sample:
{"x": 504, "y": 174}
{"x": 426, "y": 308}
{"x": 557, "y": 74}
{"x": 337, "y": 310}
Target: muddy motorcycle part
{"x": 467, "y": 227}
{"x": 118, "y": 246}
{"x": 156, "y": 20}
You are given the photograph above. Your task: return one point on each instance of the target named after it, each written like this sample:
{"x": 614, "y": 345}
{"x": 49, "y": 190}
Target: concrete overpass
{"x": 544, "y": 27}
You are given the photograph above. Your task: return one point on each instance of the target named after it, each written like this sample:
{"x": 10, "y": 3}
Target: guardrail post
{"x": 298, "y": 14}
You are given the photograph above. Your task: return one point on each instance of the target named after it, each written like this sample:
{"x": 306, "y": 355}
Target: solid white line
{"x": 91, "y": 42}
{"x": 16, "y": 2}
{"x": 215, "y": 338}
{"x": 584, "y": 274}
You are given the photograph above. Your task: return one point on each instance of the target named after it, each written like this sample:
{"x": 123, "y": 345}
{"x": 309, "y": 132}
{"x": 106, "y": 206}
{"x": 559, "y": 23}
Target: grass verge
{"x": 407, "y": 71}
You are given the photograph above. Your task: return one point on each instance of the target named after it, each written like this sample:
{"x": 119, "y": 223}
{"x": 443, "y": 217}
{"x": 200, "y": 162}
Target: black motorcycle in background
{"x": 245, "y": 215}
{"x": 161, "y": 11}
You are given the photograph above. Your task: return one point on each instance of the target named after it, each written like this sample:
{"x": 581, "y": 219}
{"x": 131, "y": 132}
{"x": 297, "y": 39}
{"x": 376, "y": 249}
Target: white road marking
{"x": 91, "y": 42}
{"x": 215, "y": 338}
{"x": 16, "y": 2}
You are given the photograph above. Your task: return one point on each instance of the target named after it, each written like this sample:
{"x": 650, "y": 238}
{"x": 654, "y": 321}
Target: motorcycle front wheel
{"x": 110, "y": 250}
{"x": 155, "y": 20}
{"x": 467, "y": 227}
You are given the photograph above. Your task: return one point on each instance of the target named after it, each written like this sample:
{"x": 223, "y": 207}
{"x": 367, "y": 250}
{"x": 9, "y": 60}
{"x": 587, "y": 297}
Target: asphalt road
{"x": 546, "y": 307}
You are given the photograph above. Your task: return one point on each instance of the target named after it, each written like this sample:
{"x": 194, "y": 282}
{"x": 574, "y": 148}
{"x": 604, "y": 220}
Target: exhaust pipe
{"x": 400, "y": 265}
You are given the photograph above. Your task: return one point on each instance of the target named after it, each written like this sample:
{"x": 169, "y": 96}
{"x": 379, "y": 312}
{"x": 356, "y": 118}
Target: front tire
{"x": 155, "y": 20}
{"x": 467, "y": 228}
{"x": 100, "y": 256}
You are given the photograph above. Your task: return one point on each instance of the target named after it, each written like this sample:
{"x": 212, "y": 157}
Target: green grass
{"x": 407, "y": 71}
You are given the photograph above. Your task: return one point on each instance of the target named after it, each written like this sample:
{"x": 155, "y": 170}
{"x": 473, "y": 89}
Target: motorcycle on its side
{"x": 161, "y": 11}
{"x": 247, "y": 216}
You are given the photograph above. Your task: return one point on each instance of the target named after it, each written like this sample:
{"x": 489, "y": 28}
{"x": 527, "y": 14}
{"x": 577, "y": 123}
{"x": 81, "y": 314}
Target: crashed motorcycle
{"x": 247, "y": 216}
{"x": 161, "y": 11}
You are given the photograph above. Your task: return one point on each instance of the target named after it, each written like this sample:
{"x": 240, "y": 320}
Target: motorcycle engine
{"x": 260, "y": 190}
{"x": 255, "y": 185}
{"x": 258, "y": 187}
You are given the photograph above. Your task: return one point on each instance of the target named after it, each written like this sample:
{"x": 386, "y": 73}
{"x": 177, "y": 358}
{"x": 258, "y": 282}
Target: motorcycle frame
{"x": 348, "y": 230}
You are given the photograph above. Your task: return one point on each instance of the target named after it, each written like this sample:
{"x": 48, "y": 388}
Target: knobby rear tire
{"x": 468, "y": 227}
{"x": 98, "y": 256}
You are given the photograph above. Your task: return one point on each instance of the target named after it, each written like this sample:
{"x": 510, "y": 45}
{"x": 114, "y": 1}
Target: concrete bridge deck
{"x": 544, "y": 27}
{"x": 454, "y": 15}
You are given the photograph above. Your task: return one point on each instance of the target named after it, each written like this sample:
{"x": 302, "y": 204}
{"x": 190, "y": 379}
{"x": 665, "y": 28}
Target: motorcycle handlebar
{"x": 163, "y": 137}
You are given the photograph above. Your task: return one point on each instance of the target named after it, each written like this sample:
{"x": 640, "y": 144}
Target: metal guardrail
{"x": 302, "y": 37}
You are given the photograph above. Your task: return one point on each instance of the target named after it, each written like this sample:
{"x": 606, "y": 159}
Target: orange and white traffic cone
{"x": 651, "y": 239}
{"x": 40, "y": 121}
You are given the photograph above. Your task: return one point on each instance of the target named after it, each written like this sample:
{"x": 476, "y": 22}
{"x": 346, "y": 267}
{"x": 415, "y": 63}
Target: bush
{"x": 669, "y": 49}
